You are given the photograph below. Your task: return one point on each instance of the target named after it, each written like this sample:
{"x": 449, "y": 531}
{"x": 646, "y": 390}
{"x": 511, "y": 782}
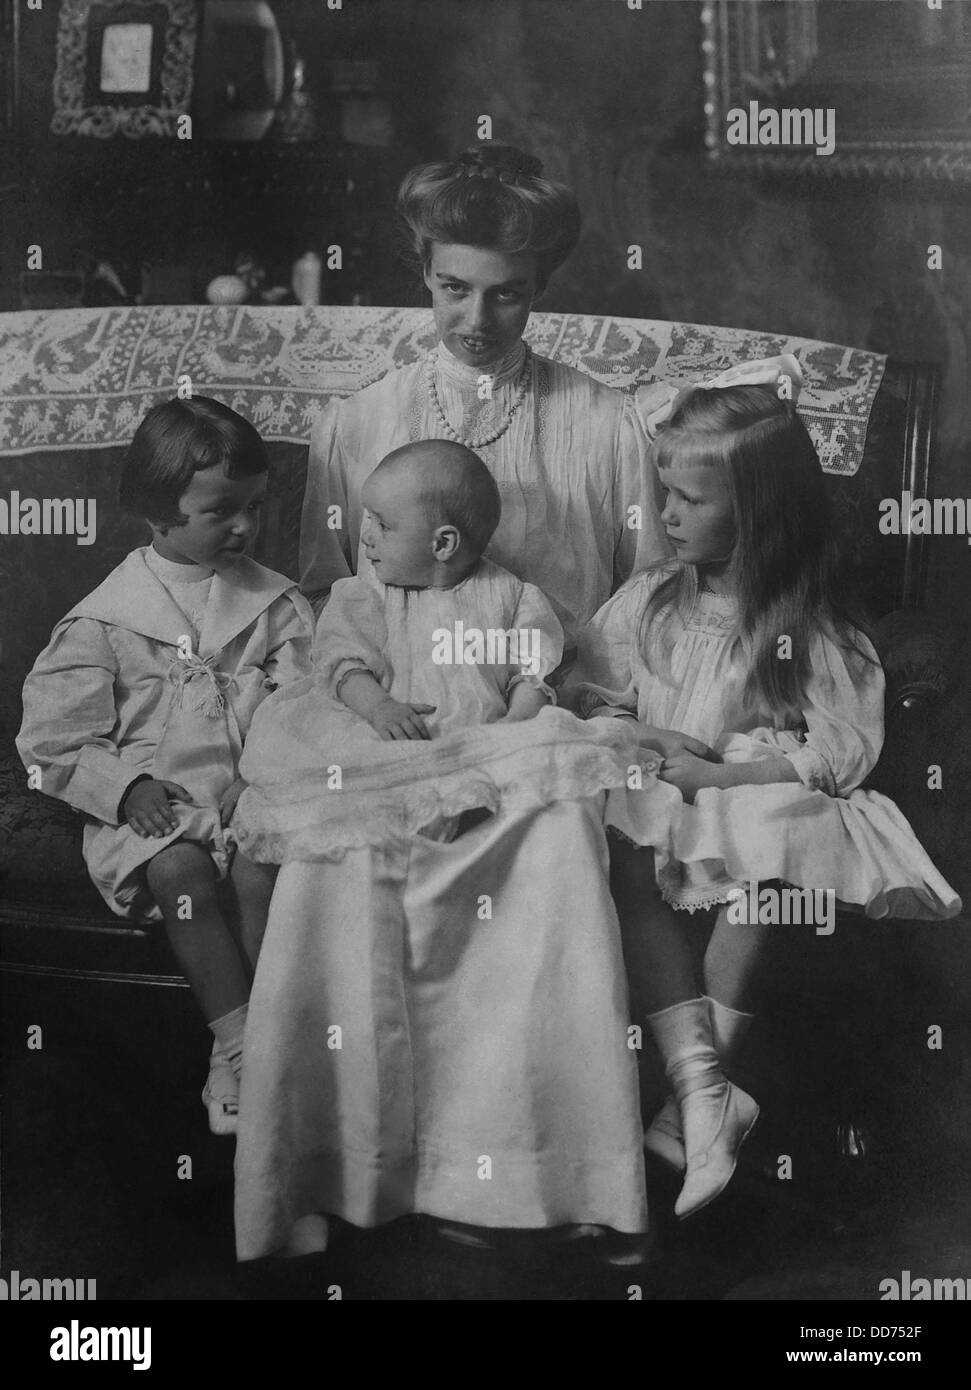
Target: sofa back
{"x": 75, "y": 383}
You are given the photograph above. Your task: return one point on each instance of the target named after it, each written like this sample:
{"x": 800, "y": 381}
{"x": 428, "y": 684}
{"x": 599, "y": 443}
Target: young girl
{"x": 428, "y": 710}
{"x": 137, "y": 710}
{"x": 766, "y": 703}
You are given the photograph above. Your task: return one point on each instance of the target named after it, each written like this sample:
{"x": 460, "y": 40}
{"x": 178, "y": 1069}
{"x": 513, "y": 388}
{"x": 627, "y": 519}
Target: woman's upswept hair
{"x": 785, "y": 565}
{"x": 491, "y": 196}
{"x": 177, "y": 439}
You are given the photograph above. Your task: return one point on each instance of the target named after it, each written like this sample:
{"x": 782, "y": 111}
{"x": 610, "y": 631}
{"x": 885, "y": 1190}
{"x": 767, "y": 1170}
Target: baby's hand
{"x": 146, "y": 807}
{"x": 670, "y": 744}
{"x": 393, "y": 719}
{"x": 690, "y": 773}
{"x": 525, "y": 702}
{"x": 228, "y": 800}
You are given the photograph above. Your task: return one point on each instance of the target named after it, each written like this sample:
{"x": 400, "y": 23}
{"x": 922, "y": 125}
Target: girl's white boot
{"x": 715, "y": 1116}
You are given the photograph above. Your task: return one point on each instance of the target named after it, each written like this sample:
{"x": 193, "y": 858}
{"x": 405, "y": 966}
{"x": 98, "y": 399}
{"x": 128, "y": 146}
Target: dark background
{"x": 612, "y": 101}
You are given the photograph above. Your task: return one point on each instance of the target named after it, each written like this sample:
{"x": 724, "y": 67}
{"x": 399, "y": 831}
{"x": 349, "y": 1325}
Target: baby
{"x": 427, "y": 725}
{"x": 430, "y": 627}
{"x": 429, "y": 663}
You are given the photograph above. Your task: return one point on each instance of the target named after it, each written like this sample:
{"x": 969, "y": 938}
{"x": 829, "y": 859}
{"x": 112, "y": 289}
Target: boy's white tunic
{"x": 110, "y": 699}
{"x": 483, "y": 1073}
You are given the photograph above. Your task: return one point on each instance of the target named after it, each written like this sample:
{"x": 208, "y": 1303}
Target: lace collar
{"x": 466, "y": 378}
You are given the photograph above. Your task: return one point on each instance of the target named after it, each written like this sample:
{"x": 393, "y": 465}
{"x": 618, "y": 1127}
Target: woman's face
{"x": 481, "y": 299}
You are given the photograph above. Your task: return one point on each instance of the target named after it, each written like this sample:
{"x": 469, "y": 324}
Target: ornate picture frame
{"x": 124, "y": 67}
{"x": 897, "y": 78}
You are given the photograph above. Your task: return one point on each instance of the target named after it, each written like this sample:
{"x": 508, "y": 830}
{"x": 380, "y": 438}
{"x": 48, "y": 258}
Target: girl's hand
{"x": 670, "y": 744}
{"x": 146, "y": 807}
{"x": 228, "y": 800}
{"x": 690, "y": 773}
{"x": 393, "y": 719}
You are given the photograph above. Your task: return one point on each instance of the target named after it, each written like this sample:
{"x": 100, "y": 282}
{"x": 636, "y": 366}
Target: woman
{"x": 481, "y": 1071}
{"x": 568, "y": 453}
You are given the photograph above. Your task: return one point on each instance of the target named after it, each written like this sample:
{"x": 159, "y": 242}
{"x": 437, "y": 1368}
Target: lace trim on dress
{"x": 715, "y": 615}
{"x": 699, "y": 898}
{"x": 466, "y": 378}
{"x": 390, "y": 792}
{"x": 710, "y": 623}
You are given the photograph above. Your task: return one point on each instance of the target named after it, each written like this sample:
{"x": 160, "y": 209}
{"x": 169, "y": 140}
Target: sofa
{"x": 73, "y": 385}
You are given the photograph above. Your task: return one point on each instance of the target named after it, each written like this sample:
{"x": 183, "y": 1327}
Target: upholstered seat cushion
{"x": 40, "y": 846}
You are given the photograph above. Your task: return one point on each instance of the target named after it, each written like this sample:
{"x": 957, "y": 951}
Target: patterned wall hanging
{"x": 124, "y": 67}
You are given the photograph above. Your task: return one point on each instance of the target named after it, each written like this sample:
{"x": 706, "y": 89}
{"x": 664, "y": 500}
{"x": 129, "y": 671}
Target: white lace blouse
{"x": 579, "y": 494}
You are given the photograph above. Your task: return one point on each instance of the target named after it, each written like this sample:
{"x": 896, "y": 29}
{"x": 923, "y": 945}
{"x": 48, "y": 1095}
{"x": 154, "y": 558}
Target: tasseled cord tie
{"x": 207, "y": 695}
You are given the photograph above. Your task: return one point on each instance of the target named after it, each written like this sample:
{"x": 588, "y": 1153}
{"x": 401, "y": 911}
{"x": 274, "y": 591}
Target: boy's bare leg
{"x": 182, "y": 880}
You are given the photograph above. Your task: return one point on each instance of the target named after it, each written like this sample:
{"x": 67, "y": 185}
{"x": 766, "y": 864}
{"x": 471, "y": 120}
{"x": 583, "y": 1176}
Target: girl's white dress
{"x": 823, "y": 832}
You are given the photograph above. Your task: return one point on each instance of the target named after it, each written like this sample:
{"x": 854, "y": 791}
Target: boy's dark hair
{"x": 178, "y": 439}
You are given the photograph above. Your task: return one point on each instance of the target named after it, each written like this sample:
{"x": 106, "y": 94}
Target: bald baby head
{"x": 431, "y": 510}
{"x": 452, "y": 486}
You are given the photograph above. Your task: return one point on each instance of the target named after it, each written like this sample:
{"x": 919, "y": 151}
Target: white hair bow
{"x": 767, "y": 371}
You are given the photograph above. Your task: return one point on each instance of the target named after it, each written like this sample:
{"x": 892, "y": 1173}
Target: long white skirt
{"x": 443, "y": 1028}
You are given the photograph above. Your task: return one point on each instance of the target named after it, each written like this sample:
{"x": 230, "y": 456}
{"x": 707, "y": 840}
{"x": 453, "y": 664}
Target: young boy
{"x": 138, "y": 708}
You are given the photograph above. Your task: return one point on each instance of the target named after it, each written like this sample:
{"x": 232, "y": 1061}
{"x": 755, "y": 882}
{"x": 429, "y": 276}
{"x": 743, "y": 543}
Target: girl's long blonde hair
{"x": 785, "y": 563}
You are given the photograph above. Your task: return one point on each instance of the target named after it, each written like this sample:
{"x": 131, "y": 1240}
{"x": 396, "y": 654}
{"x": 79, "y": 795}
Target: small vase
{"x": 296, "y": 117}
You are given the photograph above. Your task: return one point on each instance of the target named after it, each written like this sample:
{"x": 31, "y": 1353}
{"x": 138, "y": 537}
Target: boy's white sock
{"x": 228, "y": 1032}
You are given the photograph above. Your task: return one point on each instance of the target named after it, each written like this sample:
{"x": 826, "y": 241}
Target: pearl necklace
{"x": 525, "y": 378}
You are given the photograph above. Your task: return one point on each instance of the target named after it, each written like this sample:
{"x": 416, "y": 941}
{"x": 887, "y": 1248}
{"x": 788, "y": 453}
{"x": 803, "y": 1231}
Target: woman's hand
{"x": 146, "y": 807}
{"x": 670, "y": 744}
{"x": 228, "y": 800}
{"x": 393, "y": 719}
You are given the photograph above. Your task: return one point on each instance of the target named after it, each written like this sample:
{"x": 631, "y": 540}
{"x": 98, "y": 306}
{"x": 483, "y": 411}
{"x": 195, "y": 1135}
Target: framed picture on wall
{"x": 839, "y": 87}
{"x": 124, "y": 67}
